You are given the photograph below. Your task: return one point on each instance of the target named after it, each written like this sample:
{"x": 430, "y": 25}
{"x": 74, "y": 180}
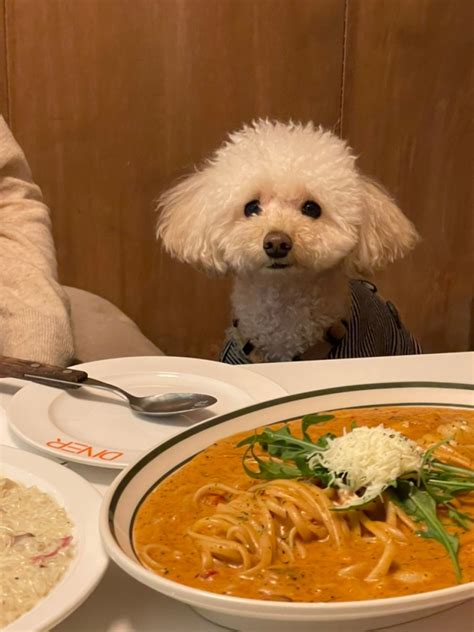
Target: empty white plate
{"x": 97, "y": 428}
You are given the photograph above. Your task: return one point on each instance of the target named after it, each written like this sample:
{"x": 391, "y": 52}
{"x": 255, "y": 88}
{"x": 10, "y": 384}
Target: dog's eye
{"x": 252, "y": 208}
{"x": 311, "y": 208}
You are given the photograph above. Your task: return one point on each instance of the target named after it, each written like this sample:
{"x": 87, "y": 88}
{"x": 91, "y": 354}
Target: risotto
{"x": 36, "y": 547}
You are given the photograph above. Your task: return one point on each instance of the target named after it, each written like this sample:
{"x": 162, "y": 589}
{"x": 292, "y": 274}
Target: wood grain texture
{"x": 407, "y": 112}
{"x": 112, "y": 100}
{"x": 4, "y": 106}
{"x": 13, "y": 367}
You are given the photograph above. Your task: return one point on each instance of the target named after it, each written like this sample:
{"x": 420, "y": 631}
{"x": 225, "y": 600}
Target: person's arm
{"x": 34, "y": 309}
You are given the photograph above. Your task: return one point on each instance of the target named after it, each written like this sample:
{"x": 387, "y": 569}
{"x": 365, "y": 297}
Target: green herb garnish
{"x": 281, "y": 446}
{"x": 421, "y": 507}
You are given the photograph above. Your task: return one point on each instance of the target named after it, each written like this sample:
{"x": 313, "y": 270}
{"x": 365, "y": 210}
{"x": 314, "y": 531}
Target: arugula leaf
{"x": 250, "y": 440}
{"x": 268, "y": 470}
{"x": 428, "y": 455}
{"x": 282, "y": 445}
{"x": 458, "y": 517}
{"x": 313, "y": 420}
{"x": 444, "y": 481}
{"x": 420, "y": 506}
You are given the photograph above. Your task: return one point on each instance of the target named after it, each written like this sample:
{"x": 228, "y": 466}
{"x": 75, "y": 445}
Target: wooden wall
{"x": 407, "y": 110}
{"x": 112, "y": 100}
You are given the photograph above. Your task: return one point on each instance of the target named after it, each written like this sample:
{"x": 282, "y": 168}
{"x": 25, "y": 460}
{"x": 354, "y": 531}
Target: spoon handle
{"x": 23, "y": 369}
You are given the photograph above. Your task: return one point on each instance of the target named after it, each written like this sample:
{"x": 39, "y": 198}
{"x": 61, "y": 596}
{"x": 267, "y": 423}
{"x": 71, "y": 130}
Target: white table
{"x": 120, "y": 604}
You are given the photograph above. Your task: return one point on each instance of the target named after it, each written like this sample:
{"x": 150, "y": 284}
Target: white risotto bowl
{"x": 124, "y": 498}
{"x": 89, "y": 562}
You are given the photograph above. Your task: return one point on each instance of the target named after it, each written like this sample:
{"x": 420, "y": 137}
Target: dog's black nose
{"x": 277, "y": 245}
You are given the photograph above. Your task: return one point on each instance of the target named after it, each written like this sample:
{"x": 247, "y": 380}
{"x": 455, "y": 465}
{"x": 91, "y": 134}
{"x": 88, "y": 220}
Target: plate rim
{"x": 134, "y": 455}
{"x": 68, "y": 591}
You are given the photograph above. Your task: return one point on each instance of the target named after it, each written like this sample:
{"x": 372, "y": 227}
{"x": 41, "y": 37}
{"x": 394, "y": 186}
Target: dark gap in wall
{"x": 4, "y": 84}
{"x": 338, "y": 128}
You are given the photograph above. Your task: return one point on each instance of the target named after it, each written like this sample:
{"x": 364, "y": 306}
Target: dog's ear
{"x": 385, "y": 234}
{"x": 185, "y": 223}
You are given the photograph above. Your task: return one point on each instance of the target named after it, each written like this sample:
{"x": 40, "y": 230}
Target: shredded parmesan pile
{"x": 368, "y": 460}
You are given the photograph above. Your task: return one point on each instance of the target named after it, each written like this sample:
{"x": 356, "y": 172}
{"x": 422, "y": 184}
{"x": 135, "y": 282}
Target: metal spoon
{"x": 166, "y": 404}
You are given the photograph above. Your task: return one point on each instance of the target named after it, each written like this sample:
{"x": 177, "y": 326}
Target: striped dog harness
{"x": 374, "y": 329}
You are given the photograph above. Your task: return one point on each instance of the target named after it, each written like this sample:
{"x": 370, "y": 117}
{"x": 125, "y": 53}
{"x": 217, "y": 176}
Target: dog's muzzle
{"x": 277, "y": 245}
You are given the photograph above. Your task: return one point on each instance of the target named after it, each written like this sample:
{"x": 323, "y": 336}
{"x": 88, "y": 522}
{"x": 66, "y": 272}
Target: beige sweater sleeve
{"x": 34, "y": 310}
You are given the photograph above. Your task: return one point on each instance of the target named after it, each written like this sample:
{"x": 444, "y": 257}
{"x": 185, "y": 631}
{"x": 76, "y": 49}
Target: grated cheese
{"x": 368, "y": 460}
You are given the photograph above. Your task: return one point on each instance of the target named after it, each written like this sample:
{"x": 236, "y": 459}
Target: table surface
{"x": 120, "y": 604}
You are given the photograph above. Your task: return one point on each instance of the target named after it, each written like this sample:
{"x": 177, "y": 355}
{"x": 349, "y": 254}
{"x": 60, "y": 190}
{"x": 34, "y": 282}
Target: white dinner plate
{"x": 97, "y": 428}
{"x": 81, "y": 502}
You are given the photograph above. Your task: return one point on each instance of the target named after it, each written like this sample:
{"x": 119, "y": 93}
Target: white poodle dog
{"x": 284, "y": 208}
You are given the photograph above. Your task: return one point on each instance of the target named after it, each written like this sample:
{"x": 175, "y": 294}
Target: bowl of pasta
{"x": 348, "y": 508}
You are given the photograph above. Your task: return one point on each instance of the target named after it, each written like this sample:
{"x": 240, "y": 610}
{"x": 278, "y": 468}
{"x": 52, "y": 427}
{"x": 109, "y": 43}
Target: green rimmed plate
{"x": 135, "y": 483}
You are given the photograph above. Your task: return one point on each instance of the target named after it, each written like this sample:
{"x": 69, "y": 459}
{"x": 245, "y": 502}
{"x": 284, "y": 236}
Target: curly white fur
{"x": 284, "y": 311}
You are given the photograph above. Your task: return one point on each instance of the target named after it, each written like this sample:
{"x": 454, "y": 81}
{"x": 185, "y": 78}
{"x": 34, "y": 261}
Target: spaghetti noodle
{"x": 269, "y": 524}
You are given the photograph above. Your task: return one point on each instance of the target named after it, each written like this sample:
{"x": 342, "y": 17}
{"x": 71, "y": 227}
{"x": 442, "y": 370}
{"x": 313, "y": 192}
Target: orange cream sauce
{"x": 168, "y": 512}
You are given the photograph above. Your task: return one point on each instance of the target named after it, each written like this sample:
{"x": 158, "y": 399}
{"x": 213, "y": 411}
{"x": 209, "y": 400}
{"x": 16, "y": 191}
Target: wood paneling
{"x": 4, "y": 109}
{"x": 112, "y": 100}
{"x": 407, "y": 112}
